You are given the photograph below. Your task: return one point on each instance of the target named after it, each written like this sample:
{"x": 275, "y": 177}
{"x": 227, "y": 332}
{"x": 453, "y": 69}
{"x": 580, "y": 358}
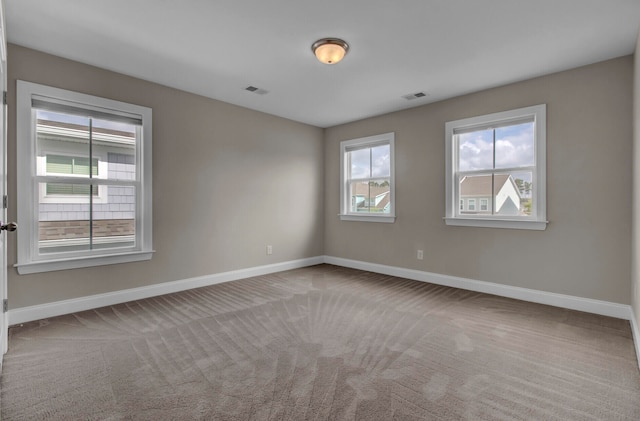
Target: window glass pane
{"x": 380, "y": 196}
{"x": 381, "y": 161}
{"x": 114, "y": 221}
{"x": 523, "y": 182}
{"x": 508, "y": 194}
{"x": 360, "y": 163}
{"x": 63, "y": 226}
{"x": 116, "y": 143}
{"x": 62, "y": 144}
{"x": 474, "y": 188}
{"x": 475, "y": 150}
{"x": 515, "y": 146}
{"x": 359, "y": 193}
{"x": 64, "y": 209}
{"x": 370, "y": 197}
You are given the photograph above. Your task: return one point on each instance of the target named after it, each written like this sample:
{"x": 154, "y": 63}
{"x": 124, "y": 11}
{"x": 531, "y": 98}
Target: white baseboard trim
{"x": 58, "y": 308}
{"x": 636, "y": 336}
{"x": 605, "y": 308}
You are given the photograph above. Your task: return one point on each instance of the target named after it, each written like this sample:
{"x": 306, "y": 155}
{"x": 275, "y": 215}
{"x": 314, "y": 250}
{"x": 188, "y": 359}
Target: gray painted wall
{"x": 227, "y": 181}
{"x": 584, "y": 251}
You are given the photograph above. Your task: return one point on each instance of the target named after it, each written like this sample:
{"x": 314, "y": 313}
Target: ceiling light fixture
{"x": 330, "y": 50}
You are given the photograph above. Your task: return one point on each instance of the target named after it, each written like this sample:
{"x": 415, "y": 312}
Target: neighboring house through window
{"x": 367, "y": 179}
{"x": 496, "y": 165}
{"x": 481, "y": 187}
{"x": 89, "y": 201}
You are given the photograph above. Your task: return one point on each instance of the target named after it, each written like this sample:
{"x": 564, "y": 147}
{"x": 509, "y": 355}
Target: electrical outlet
{"x": 420, "y": 255}
{"x": 269, "y": 250}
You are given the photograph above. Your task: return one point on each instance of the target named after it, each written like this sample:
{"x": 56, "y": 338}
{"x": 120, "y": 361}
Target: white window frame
{"x": 345, "y": 199}
{"x": 486, "y": 205}
{"x": 538, "y": 219}
{"x": 29, "y": 258}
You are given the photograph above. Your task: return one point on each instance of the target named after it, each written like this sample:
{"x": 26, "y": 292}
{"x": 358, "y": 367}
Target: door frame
{"x": 4, "y": 322}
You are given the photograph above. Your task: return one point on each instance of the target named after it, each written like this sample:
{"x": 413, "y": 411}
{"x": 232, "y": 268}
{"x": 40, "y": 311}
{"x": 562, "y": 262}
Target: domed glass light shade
{"x": 330, "y": 50}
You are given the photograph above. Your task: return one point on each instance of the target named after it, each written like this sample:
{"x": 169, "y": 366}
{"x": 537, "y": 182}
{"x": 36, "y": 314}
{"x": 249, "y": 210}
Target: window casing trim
{"x": 29, "y": 259}
{"x": 363, "y": 143}
{"x": 538, "y": 221}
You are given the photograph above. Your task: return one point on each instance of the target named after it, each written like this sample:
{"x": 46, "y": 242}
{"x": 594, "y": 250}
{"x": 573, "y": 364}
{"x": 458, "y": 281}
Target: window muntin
{"x": 367, "y": 178}
{"x": 498, "y": 160}
{"x": 84, "y": 214}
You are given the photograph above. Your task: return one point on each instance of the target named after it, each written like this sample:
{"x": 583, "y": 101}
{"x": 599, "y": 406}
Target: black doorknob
{"x": 11, "y": 226}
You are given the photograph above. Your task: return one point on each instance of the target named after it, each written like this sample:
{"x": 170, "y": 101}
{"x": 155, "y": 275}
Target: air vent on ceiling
{"x": 255, "y": 90}
{"x": 416, "y": 95}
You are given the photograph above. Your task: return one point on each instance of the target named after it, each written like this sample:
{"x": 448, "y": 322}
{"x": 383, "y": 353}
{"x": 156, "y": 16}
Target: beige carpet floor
{"x": 322, "y": 343}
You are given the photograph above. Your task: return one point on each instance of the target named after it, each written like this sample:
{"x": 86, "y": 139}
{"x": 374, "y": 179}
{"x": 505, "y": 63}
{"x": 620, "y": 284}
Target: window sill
{"x": 82, "y": 262}
{"x": 389, "y": 219}
{"x": 498, "y": 223}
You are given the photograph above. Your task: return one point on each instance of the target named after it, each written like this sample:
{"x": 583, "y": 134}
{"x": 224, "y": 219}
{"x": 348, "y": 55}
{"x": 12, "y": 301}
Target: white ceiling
{"x": 216, "y": 48}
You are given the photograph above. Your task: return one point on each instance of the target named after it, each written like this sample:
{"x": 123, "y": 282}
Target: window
{"x": 471, "y": 205}
{"x": 498, "y": 159}
{"x": 71, "y": 166}
{"x": 367, "y": 179}
{"x": 84, "y": 180}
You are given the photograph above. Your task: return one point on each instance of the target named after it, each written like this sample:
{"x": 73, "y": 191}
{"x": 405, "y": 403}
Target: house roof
{"x": 69, "y": 132}
{"x": 384, "y": 201}
{"x": 80, "y": 127}
{"x": 363, "y": 189}
{"x": 480, "y": 185}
